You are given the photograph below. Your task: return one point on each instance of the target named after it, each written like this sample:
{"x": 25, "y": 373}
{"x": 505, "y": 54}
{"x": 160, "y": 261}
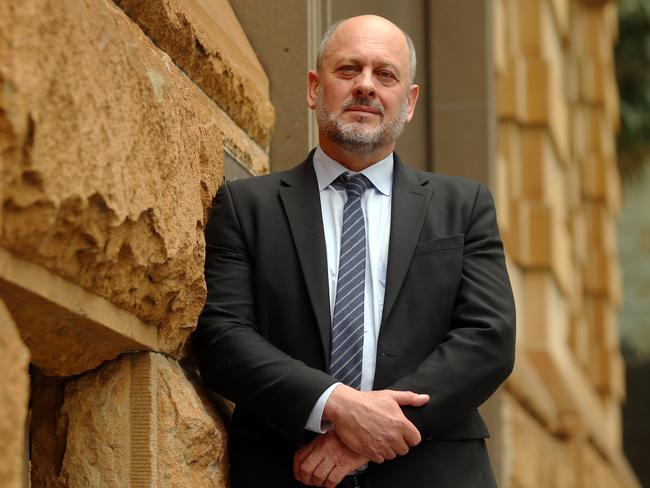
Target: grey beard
{"x": 351, "y": 135}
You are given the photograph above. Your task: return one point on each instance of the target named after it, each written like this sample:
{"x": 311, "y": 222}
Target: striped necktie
{"x": 347, "y": 323}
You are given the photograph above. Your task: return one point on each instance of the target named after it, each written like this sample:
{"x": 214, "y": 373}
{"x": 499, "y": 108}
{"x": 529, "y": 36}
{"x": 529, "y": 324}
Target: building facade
{"x": 120, "y": 119}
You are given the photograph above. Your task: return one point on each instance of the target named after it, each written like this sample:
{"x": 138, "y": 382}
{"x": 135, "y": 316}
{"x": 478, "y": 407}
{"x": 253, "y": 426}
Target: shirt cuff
{"x": 315, "y": 420}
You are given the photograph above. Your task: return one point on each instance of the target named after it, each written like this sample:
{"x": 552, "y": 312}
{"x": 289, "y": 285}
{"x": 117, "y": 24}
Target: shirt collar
{"x": 380, "y": 174}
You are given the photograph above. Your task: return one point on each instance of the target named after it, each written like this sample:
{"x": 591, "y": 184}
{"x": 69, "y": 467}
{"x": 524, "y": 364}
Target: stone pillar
{"x": 461, "y": 67}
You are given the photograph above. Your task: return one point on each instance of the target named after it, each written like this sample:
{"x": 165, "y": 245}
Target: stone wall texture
{"x": 135, "y": 421}
{"x": 558, "y": 197}
{"x": 114, "y": 121}
{"x": 111, "y": 156}
{"x": 14, "y": 394}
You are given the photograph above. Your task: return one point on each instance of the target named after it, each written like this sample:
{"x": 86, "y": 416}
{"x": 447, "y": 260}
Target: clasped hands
{"x": 366, "y": 426}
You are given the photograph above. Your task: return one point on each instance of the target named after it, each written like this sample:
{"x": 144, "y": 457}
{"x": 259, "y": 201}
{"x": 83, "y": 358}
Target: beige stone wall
{"x": 135, "y": 421}
{"x": 114, "y": 119}
{"x": 558, "y": 195}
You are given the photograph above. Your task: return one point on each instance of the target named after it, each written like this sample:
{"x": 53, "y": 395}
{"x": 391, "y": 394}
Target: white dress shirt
{"x": 376, "y": 204}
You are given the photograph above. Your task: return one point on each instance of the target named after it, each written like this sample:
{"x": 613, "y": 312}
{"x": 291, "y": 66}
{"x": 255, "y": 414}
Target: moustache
{"x": 363, "y": 102}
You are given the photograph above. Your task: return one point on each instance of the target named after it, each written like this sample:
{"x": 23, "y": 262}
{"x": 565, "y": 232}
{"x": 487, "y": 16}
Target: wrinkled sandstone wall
{"x": 135, "y": 421}
{"x": 110, "y": 157}
{"x": 114, "y": 119}
{"x": 558, "y": 197}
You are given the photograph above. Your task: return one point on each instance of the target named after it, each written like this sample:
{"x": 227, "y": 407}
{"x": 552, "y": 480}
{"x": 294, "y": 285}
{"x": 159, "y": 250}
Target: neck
{"x": 352, "y": 160}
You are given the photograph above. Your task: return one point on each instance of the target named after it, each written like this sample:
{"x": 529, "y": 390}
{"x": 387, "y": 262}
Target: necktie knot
{"x": 353, "y": 184}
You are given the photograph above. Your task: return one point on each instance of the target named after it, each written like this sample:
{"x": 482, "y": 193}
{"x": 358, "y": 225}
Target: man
{"x": 351, "y": 273}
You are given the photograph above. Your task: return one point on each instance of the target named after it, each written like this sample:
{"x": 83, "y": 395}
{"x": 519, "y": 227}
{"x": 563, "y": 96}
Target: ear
{"x": 412, "y": 99}
{"x": 312, "y": 89}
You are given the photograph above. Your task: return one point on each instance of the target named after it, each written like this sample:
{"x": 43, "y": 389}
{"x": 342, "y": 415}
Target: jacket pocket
{"x": 440, "y": 244}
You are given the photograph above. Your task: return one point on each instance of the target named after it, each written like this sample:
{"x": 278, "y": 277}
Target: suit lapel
{"x": 409, "y": 206}
{"x": 301, "y": 200}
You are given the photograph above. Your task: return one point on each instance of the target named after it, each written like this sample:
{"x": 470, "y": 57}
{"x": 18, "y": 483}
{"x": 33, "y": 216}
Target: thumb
{"x": 409, "y": 398}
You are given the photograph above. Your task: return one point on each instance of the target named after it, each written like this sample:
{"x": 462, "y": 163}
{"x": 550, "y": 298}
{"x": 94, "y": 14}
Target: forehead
{"x": 376, "y": 42}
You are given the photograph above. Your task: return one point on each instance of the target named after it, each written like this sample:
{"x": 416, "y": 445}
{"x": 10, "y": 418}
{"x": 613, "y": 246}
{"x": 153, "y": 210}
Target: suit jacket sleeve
{"x": 477, "y": 353}
{"x": 234, "y": 359}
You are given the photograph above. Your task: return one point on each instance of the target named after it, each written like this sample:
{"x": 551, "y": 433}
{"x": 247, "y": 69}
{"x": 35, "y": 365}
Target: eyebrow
{"x": 353, "y": 60}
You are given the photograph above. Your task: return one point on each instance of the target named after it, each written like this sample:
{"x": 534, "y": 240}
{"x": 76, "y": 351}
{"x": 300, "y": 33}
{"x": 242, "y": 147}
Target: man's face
{"x": 362, "y": 94}
{"x": 358, "y": 135}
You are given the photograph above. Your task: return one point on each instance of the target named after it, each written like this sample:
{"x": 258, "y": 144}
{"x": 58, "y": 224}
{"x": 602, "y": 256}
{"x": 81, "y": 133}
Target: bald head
{"x": 364, "y": 22}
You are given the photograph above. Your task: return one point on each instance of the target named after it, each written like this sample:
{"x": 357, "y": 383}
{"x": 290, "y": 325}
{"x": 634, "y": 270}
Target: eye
{"x": 348, "y": 69}
{"x": 385, "y": 75}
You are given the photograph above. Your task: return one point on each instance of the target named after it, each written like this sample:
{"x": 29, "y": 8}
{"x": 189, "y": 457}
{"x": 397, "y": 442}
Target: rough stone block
{"x": 136, "y": 421}
{"x": 542, "y": 240}
{"x": 67, "y": 329}
{"x": 500, "y": 36}
{"x": 579, "y": 341}
{"x": 579, "y": 236}
{"x": 542, "y": 176}
{"x": 533, "y": 90}
{"x": 110, "y": 159}
{"x": 546, "y": 321}
{"x": 509, "y": 140}
{"x": 507, "y": 86}
{"x": 601, "y": 231}
{"x": 526, "y": 385}
{"x": 546, "y": 314}
{"x": 560, "y": 10}
{"x": 599, "y": 133}
{"x": 594, "y": 177}
{"x": 502, "y": 194}
{"x": 529, "y": 440}
{"x": 596, "y": 39}
{"x": 14, "y": 393}
{"x": 617, "y": 376}
{"x": 596, "y": 473}
{"x": 612, "y": 100}
{"x": 597, "y": 272}
{"x": 204, "y": 38}
{"x": 48, "y": 430}
{"x": 579, "y": 129}
{"x": 602, "y": 319}
{"x": 592, "y": 81}
{"x": 613, "y": 188}
{"x": 573, "y": 79}
{"x": 530, "y": 26}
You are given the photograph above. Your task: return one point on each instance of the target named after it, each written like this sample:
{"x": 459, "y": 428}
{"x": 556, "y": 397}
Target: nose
{"x": 364, "y": 84}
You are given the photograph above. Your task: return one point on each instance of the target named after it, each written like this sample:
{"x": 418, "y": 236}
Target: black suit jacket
{"x": 447, "y": 328}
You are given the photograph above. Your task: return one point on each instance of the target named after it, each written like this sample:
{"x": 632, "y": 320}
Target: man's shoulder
{"x": 262, "y": 184}
{"x": 448, "y": 184}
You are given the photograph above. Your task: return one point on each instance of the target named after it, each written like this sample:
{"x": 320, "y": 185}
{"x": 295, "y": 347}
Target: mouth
{"x": 362, "y": 109}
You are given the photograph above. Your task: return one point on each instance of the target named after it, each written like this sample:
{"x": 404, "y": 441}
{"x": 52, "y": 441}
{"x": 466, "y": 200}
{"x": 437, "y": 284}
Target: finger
{"x": 401, "y": 449}
{"x": 322, "y": 471}
{"x": 300, "y": 455}
{"x": 306, "y": 469}
{"x": 335, "y": 477}
{"x": 376, "y": 457}
{"x": 390, "y": 454}
{"x": 412, "y": 435}
{"x": 409, "y": 398}
{"x": 304, "y": 451}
